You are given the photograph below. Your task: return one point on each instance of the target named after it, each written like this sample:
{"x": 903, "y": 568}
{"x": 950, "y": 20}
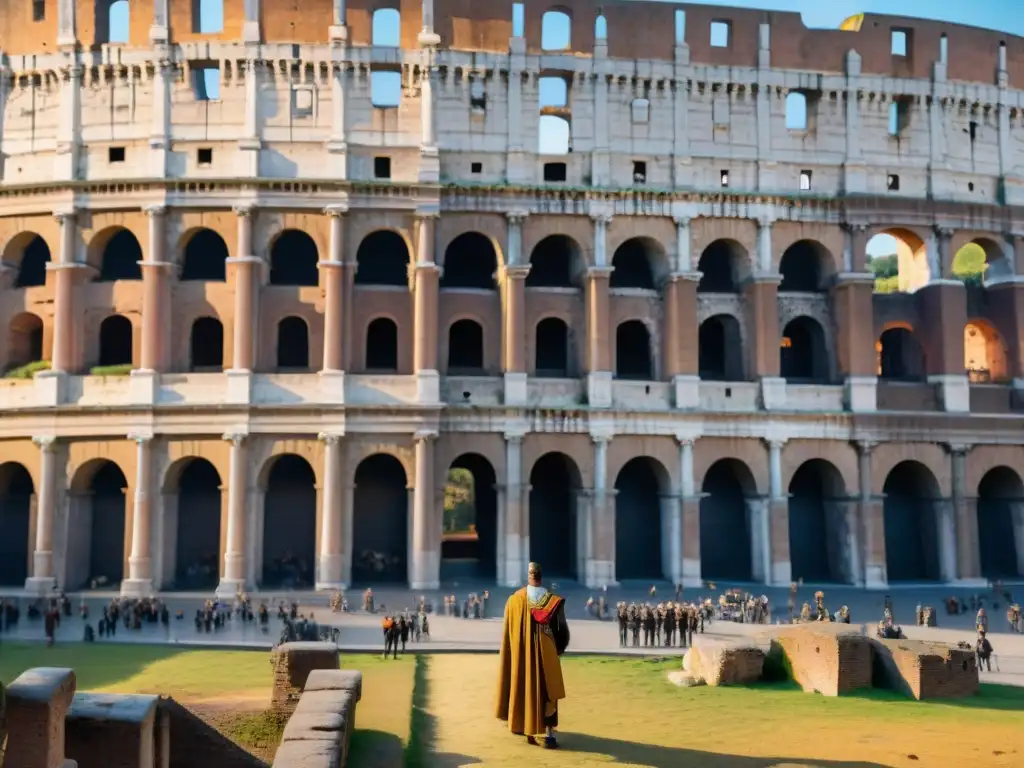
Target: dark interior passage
{"x": 638, "y": 531}
{"x": 900, "y": 356}
{"x": 206, "y": 345}
{"x": 724, "y": 522}
{"x": 470, "y": 537}
{"x": 115, "y": 341}
{"x": 197, "y": 548}
{"x": 382, "y": 259}
{"x": 803, "y": 357}
{"x": 120, "y": 258}
{"x": 720, "y": 349}
{"x": 817, "y": 530}
{"x": 911, "y": 525}
{"x": 289, "y": 524}
{"x": 632, "y": 265}
{"x": 554, "y": 484}
{"x": 720, "y": 267}
{"x": 552, "y": 348}
{"x": 205, "y": 257}
{"x": 380, "y": 534}
{"x": 554, "y": 263}
{"x": 34, "y": 258}
{"x": 1000, "y": 492}
{"x": 292, "y": 344}
{"x": 107, "y": 526}
{"x": 16, "y": 492}
{"x": 294, "y": 260}
{"x": 470, "y": 262}
{"x": 633, "y": 358}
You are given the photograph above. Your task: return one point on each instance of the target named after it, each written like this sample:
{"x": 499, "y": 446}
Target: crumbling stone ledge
{"x": 319, "y": 732}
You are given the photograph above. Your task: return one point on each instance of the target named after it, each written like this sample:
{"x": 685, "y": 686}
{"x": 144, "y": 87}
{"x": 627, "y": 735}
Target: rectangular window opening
{"x": 518, "y": 19}
{"x": 385, "y": 89}
{"x": 639, "y": 172}
{"x": 973, "y": 131}
{"x": 210, "y": 19}
{"x": 38, "y": 10}
{"x": 206, "y": 82}
{"x": 555, "y": 172}
{"x": 302, "y": 102}
{"x": 680, "y": 27}
{"x": 805, "y": 181}
{"x": 892, "y": 183}
{"x": 382, "y": 167}
{"x": 476, "y": 167}
{"x": 115, "y": 155}
{"x": 899, "y": 42}
{"x": 723, "y": 178}
{"x": 720, "y": 34}
{"x": 477, "y": 94}
{"x": 899, "y": 116}
{"x": 204, "y": 156}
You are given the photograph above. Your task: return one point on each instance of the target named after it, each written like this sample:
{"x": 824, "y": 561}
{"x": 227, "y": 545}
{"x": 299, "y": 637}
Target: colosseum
{"x": 268, "y": 281}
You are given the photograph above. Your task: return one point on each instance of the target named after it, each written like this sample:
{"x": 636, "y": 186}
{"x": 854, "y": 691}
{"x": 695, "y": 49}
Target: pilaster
{"x": 42, "y": 581}
{"x": 425, "y": 564}
{"x": 337, "y": 314}
{"x": 234, "y": 579}
{"x": 425, "y": 286}
{"x": 140, "y": 571}
{"x": 780, "y": 570}
{"x": 963, "y": 525}
{"x": 333, "y": 545}
{"x": 871, "y": 533}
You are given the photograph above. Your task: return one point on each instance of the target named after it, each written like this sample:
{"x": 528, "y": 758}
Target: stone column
{"x": 600, "y": 522}
{"x": 251, "y": 21}
{"x": 425, "y": 564}
{"x": 67, "y": 28}
{"x": 244, "y": 280}
{"x": 689, "y": 500}
{"x": 515, "y": 326}
{"x": 233, "y": 580}
{"x": 872, "y": 521}
{"x": 962, "y": 527}
{"x": 599, "y": 363}
{"x": 140, "y": 572}
{"x": 153, "y": 320}
{"x": 681, "y": 348}
{"x": 42, "y": 580}
{"x": 517, "y": 523}
{"x": 159, "y": 27}
{"x": 425, "y": 312}
{"x": 332, "y": 377}
{"x": 779, "y": 570}
{"x": 64, "y": 300}
{"x": 332, "y": 542}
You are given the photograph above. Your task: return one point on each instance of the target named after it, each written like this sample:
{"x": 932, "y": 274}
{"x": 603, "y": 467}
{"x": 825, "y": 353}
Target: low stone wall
{"x": 926, "y": 670}
{"x": 292, "y": 664}
{"x": 720, "y": 662}
{"x": 319, "y": 732}
{"x": 116, "y": 731}
{"x": 830, "y": 659}
{"x": 37, "y": 703}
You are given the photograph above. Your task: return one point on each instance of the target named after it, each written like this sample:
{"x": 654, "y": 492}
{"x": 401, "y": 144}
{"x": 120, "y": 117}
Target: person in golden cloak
{"x": 530, "y": 683}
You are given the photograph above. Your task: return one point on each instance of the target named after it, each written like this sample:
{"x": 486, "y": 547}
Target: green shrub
{"x": 887, "y": 284}
{"x": 111, "y": 370}
{"x": 28, "y": 370}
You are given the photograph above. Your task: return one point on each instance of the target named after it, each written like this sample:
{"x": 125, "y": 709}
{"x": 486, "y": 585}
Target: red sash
{"x": 544, "y": 609}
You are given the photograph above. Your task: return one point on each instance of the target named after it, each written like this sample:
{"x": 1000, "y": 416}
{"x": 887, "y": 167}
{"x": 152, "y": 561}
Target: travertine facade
{"x": 646, "y": 350}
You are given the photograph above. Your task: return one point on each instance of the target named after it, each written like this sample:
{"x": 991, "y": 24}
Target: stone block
{"x": 316, "y": 702}
{"x": 292, "y": 664}
{"x": 36, "y": 705}
{"x": 112, "y": 731}
{"x": 308, "y": 754}
{"x": 723, "y": 663}
{"x": 830, "y": 659}
{"x": 350, "y": 680}
{"x": 925, "y": 670}
{"x": 316, "y": 726}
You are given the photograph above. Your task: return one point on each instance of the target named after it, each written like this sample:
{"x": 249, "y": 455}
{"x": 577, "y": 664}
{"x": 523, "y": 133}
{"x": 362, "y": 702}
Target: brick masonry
{"x": 292, "y": 664}
{"x": 926, "y": 670}
{"x": 826, "y": 659}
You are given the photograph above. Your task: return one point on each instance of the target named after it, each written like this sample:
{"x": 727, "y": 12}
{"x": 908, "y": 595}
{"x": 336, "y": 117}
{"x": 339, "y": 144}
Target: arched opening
{"x": 818, "y": 533}
{"x": 382, "y": 259}
{"x": 725, "y": 540}
{"x": 633, "y": 358}
{"x": 1001, "y": 524}
{"x": 470, "y": 261}
{"x": 552, "y": 349}
{"x": 985, "y": 353}
{"x": 206, "y": 345}
{"x": 118, "y": 22}
{"x": 292, "y": 344}
{"x": 601, "y": 28}
{"x": 16, "y": 492}
{"x": 469, "y": 540}
{"x": 465, "y": 348}
{"x": 723, "y": 265}
{"x": 382, "y": 346}
{"x": 634, "y": 264}
{"x": 205, "y": 257}
{"x": 293, "y": 260}
{"x": 803, "y": 356}
{"x": 115, "y": 341}
{"x": 979, "y": 261}
{"x": 32, "y": 254}
{"x": 805, "y": 268}
{"x": 197, "y": 544}
{"x": 380, "y": 528}
{"x": 720, "y": 349}
{"x": 555, "y": 31}
{"x": 556, "y": 262}
{"x": 24, "y": 340}
{"x": 120, "y": 257}
{"x": 289, "y": 524}
{"x": 640, "y": 532}
{"x": 899, "y": 260}
{"x": 900, "y": 356}
{"x": 554, "y": 488}
{"x": 106, "y": 512}
{"x": 911, "y": 515}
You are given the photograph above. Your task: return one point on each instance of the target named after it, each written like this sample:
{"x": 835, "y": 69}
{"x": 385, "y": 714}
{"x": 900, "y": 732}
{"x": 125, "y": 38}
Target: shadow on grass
{"x": 991, "y": 696}
{"x": 422, "y": 725}
{"x": 96, "y": 665}
{"x": 375, "y": 749}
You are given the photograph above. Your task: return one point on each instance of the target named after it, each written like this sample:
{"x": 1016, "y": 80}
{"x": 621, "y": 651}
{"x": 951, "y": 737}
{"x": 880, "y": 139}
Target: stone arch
{"x": 470, "y": 261}
{"x": 985, "y": 352}
{"x": 289, "y": 522}
{"x": 999, "y": 259}
{"x": 469, "y": 538}
{"x": 803, "y": 353}
{"x": 640, "y": 262}
{"x": 725, "y": 525}
{"x": 555, "y": 485}
{"x": 818, "y": 533}
{"x": 806, "y": 267}
{"x": 24, "y": 340}
{"x": 293, "y": 259}
{"x": 117, "y": 253}
{"x": 642, "y": 520}
{"x": 551, "y": 349}
{"x": 913, "y": 262}
{"x": 99, "y": 524}
{"x": 720, "y": 349}
{"x": 724, "y": 265}
{"x": 382, "y": 345}
{"x": 1000, "y": 506}
{"x": 292, "y": 343}
{"x": 17, "y": 493}
{"x": 115, "y": 346}
{"x": 900, "y": 355}
{"x": 634, "y": 351}
{"x": 204, "y": 256}
{"x": 971, "y": 261}
{"x": 195, "y": 484}
{"x": 28, "y": 253}
{"x": 380, "y": 528}
{"x": 911, "y": 512}
{"x": 556, "y": 261}
{"x": 382, "y": 259}
{"x": 556, "y": 29}
{"x": 465, "y": 348}
{"x": 206, "y": 345}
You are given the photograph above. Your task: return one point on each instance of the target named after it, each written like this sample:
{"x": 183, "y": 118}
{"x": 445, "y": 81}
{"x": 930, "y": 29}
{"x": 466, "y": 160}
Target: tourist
{"x": 984, "y": 650}
{"x": 534, "y": 635}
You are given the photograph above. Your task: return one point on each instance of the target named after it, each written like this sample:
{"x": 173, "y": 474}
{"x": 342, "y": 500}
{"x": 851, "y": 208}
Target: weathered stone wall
{"x": 37, "y": 703}
{"x": 293, "y": 663}
{"x": 827, "y": 659}
{"x": 724, "y": 663}
{"x": 319, "y": 733}
{"x": 114, "y": 731}
{"x": 926, "y": 670}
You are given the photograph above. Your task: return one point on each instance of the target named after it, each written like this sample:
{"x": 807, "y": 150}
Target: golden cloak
{"x": 529, "y": 672}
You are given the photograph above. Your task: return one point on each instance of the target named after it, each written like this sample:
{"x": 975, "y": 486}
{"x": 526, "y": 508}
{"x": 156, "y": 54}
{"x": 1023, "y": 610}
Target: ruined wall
{"x": 827, "y": 660}
{"x": 927, "y": 670}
